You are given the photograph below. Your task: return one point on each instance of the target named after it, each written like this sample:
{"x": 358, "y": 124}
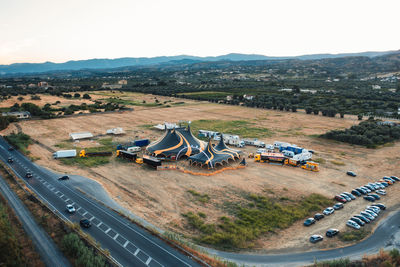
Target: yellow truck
{"x": 311, "y": 166}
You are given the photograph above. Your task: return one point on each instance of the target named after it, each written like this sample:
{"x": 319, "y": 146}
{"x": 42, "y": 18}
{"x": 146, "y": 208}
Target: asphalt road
{"x": 48, "y": 251}
{"x": 128, "y": 244}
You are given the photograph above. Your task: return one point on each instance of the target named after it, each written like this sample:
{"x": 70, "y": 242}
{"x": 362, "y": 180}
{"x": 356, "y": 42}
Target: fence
{"x": 174, "y": 167}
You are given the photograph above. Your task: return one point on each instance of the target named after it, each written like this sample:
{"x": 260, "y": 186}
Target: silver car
{"x": 353, "y": 224}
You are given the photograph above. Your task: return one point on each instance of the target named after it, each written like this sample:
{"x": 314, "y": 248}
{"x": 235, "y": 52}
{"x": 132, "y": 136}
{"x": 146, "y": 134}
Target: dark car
{"x": 349, "y": 195}
{"x": 340, "y": 199}
{"x": 85, "y": 223}
{"x": 377, "y": 197}
{"x": 318, "y": 216}
{"x": 10, "y": 148}
{"x": 351, "y": 173}
{"x": 362, "y": 191}
{"x": 348, "y": 199}
{"x": 370, "y": 187}
{"x": 10, "y": 160}
{"x": 389, "y": 179}
{"x": 332, "y": 232}
{"x": 395, "y": 178}
{"x": 65, "y": 177}
{"x": 338, "y": 206}
{"x": 366, "y": 189}
{"x": 316, "y": 238}
{"x": 358, "y": 221}
{"x": 379, "y": 205}
{"x": 384, "y": 184}
{"x": 363, "y": 218}
{"x": 355, "y": 192}
{"x": 309, "y": 221}
{"x": 369, "y": 198}
{"x": 28, "y": 175}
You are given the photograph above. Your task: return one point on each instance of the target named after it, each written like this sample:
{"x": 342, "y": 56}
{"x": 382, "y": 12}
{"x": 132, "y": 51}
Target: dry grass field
{"x": 161, "y": 197}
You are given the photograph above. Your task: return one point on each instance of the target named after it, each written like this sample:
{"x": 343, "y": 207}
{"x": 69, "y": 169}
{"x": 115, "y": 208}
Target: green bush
{"x": 75, "y": 248}
{"x": 20, "y": 141}
{"x": 355, "y": 235}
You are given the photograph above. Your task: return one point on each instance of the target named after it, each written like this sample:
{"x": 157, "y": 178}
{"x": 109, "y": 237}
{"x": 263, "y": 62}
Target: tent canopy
{"x": 176, "y": 142}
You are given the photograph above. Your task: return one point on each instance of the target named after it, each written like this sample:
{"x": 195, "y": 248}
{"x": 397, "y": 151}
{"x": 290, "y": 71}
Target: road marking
{"x": 66, "y": 200}
{"x": 78, "y": 208}
{"x": 91, "y": 219}
{"x": 136, "y": 252}
{"x": 126, "y": 243}
{"x": 99, "y": 224}
{"x": 148, "y": 261}
{"x": 57, "y": 192}
{"x": 108, "y": 230}
{"x": 61, "y": 195}
{"x": 84, "y": 213}
{"x": 116, "y": 236}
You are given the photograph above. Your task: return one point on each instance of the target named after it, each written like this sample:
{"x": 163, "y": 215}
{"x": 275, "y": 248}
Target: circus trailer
{"x": 233, "y": 140}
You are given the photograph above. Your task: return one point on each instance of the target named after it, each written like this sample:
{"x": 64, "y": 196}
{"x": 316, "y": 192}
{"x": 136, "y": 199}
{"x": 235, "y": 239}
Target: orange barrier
{"x": 174, "y": 167}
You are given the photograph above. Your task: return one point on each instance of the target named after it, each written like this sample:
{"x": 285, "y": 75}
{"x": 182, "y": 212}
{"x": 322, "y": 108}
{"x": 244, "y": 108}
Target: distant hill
{"x": 173, "y": 60}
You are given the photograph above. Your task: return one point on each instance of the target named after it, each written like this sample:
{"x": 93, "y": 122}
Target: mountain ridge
{"x": 105, "y": 63}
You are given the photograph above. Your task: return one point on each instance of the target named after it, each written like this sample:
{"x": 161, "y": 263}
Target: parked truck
{"x": 139, "y": 143}
{"x": 133, "y": 149}
{"x": 152, "y": 161}
{"x": 126, "y": 155}
{"x": 254, "y": 142}
{"x": 64, "y": 154}
{"x": 83, "y": 153}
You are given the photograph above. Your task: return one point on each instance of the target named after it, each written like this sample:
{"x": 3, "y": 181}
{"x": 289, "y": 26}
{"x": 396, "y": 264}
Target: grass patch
{"x": 203, "y": 198}
{"x": 258, "y": 216}
{"x": 130, "y": 102}
{"x": 20, "y": 141}
{"x": 86, "y": 162}
{"x": 355, "y": 235}
{"x": 319, "y": 160}
{"x": 338, "y": 162}
{"x": 343, "y": 262}
{"x": 238, "y": 127}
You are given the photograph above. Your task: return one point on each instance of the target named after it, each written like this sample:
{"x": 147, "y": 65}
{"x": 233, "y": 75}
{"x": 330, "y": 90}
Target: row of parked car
{"x": 366, "y": 216}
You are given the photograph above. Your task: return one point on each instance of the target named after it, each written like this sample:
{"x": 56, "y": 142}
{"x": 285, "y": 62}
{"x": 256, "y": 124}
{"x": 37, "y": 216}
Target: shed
{"x": 79, "y": 136}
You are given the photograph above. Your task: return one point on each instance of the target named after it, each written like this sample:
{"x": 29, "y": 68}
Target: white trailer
{"x": 64, "y": 154}
{"x": 133, "y": 149}
{"x": 278, "y": 144}
{"x": 233, "y": 140}
{"x": 254, "y": 142}
{"x": 303, "y": 156}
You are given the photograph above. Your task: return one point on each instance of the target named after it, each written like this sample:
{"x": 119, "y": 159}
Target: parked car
{"x": 28, "y": 175}
{"x": 70, "y": 208}
{"x": 371, "y": 212}
{"x": 379, "y": 185}
{"x": 332, "y": 232}
{"x": 349, "y": 195}
{"x": 65, "y": 177}
{"x": 369, "y": 216}
{"x": 362, "y": 191}
{"x": 338, "y": 206}
{"x": 377, "y": 197}
{"x": 369, "y": 198}
{"x": 340, "y": 199}
{"x": 375, "y": 187}
{"x": 381, "y": 192}
{"x": 351, "y": 173}
{"x": 375, "y": 209}
{"x": 363, "y": 218}
{"x": 316, "y": 238}
{"x": 388, "y": 179}
{"x": 383, "y": 183}
{"x": 352, "y": 224}
{"x": 348, "y": 199}
{"x": 10, "y": 148}
{"x": 355, "y": 192}
{"x": 366, "y": 189}
{"x": 10, "y": 160}
{"x": 369, "y": 187}
{"x": 85, "y": 223}
{"x": 318, "y": 216}
{"x": 309, "y": 221}
{"x": 395, "y": 178}
{"x": 358, "y": 221}
{"x": 328, "y": 211}
{"x": 379, "y": 205}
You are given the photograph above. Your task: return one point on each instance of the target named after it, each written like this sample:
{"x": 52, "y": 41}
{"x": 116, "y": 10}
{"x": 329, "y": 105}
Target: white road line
{"x": 91, "y": 219}
{"x": 126, "y": 243}
{"x": 61, "y": 195}
{"x": 57, "y": 192}
{"x": 108, "y": 230}
{"x": 99, "y": 224}
{"x": 136, "y": 252}
{"x": 116, "y": 236}
{"x": 66, "y": 200}
{"x": 148, "y": 261}
{"x": 78, "y": 208}
{"x": 84, "y": 213}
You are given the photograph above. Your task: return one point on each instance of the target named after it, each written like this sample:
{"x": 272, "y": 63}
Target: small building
{"x": 18, "y": 114}
{"x": 166, "y": 125}
{"x": 376, "y": 87}
{"x": 123, "y": 82}
{"x": 111, "y": 86}
{"x": 43, "y": 85}
{"x": 79, "y": 136}
{"x": 248, "y": 97}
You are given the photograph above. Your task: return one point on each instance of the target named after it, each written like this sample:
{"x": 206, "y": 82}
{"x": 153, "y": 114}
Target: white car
{"x": 353, "y": 224}
{"x": 371, "y": 212}
{"x": 381, "y": 192}
{"x": 70, "y": 208}
{"x": 328, "y": 211}
{"x": 375, "y": 209}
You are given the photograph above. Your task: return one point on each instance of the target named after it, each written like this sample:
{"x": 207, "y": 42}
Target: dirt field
{"x": 161, "y": 197}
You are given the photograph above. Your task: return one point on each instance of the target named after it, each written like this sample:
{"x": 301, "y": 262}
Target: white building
{"x": 78, "y": 136}
{"x": 18, "y": 114}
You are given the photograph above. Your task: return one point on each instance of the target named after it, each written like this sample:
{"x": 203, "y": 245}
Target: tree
{"x": 309, "y": 110}
{"x": 76, "y": 95}
{"x": 360, "y": 117}
{"x": 35, "y": 97}
{"x": 86, "y": 96}
{"x": 296, "y": 89}
{"x": 20, "y": 98}
{"x": 294, "y": 109}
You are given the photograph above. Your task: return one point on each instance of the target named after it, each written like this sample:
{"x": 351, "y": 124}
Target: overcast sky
{"x": 62, "y": 30}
